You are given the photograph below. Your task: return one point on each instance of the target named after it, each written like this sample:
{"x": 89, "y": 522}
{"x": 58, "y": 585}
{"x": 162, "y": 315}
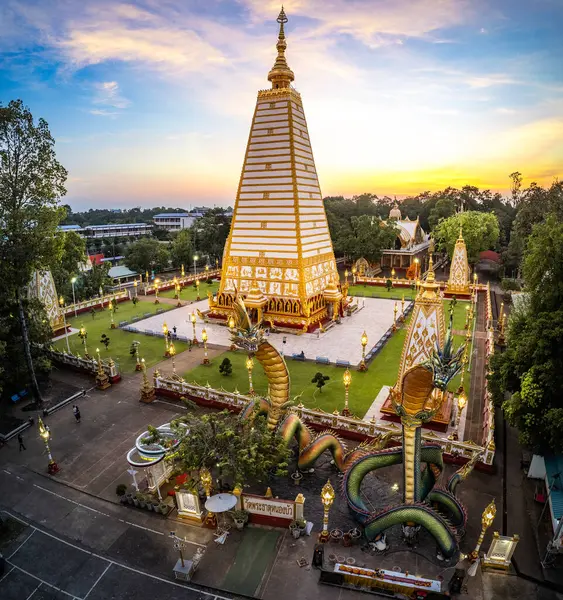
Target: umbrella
{"x": 221, "y": 503}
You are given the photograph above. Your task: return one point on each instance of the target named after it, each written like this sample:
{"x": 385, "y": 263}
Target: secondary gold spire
{"x": 281, "y": 75}
{"x": 458, "y": 282}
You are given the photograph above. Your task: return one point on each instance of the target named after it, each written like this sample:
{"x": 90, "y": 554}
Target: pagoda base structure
{"x": 459, "y": 291}
{"x": 439, "y": 422}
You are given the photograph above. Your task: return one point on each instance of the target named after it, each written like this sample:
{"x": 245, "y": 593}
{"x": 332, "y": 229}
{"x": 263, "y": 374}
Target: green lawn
{"x": 378, "y": 291}
{"x": 190, "y": 293}
{"x": 151, "y": 348}
{"x": 363, "y": 389}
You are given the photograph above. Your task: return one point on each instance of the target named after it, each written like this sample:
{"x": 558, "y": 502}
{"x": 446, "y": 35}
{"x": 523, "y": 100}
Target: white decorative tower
{"x": 458, "y": 282}
{"x": 279, "y": 243}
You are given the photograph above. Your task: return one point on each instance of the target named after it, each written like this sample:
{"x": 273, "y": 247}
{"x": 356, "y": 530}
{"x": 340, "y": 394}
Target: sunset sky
{"x": 151, "y": 102}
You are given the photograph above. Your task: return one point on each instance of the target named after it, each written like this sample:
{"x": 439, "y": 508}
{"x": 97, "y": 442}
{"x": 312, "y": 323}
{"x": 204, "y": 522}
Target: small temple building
{"x": 279, "y": 253}
{"x": 459, "y": 279}
{"x": 411, "y": 243}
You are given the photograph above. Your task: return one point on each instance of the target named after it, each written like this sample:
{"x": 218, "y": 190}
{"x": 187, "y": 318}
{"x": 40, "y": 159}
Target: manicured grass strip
{"x": 256, "y": 552}
{"x": 151, "y": 348}
{"x": 190, "y": 292}
{"x": 378, "y": 291}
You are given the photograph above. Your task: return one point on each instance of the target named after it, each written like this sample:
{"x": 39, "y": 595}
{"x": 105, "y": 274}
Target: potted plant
{"x": 295, "y": 529}
{"x": 240, "y": 518}
{"x": 336, "y": 536}
{"x": 164, "y": 508}
{"x": 129, "y": 498}
{"x": 137, "y": 499}
{"x": 142, "y": 500}
{"x": 302, "y": 525}
{"x": 355, "y": 534}
{"x": 155, "y": 503}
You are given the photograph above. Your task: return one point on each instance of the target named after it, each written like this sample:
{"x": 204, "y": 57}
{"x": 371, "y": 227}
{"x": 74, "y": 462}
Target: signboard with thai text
{"x": 269, "y": 510}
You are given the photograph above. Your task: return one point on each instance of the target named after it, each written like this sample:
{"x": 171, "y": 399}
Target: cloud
{"x": 100, "y": 112}
{"x": 107, "y": 93}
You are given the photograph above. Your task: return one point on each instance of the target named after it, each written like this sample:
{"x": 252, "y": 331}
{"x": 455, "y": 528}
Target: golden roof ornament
{"x": 281, "y": 75}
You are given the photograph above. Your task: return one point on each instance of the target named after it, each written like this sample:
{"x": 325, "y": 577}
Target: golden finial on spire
{"x": 281, "y": 75}
{"x": 460, "y": 231}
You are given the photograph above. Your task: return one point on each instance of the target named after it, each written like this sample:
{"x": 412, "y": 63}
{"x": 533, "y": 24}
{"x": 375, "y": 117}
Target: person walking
{"x": 76, "y": 412}
{"x": 174, "y": 330}
{"x": 20, "y": 440}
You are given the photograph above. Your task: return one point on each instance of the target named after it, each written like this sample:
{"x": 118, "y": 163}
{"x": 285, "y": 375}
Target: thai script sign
{"x": 280, "y": 509}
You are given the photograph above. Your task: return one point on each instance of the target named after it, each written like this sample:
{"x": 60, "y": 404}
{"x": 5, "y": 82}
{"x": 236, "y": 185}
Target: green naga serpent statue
{"x": 416, "y": 398}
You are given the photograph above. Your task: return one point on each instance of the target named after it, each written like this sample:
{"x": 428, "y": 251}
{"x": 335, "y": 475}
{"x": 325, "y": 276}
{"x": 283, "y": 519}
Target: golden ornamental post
{"x": 402, "y": 308}
{"x": 172, "y": 354}
{"x": 346, "y": 276}
{"x": 166, "y": 344}
{"x": 231, "y": 325}
{"x": 197, "y": 288}
{"x": 83, "y": 334}
{"x": 205, "y": 360}
{"x": 327, "y": 498}
{"x": 45, "y": 434}
{"x": 354, "y": 271}
{"x": 364, "y": 342}
{"x": 207, "y": 483}
{"x": 395, "y": 310}
{"x": 193, "y": 319}
{"x": 347, "y": 379}
{"x": 156, "y": 300}
{"x": 249, "y": 367}
{"x": 487, "y": 519}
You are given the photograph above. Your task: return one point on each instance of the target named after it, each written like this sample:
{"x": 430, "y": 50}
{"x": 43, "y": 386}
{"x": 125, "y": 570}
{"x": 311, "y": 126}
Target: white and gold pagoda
{"x": 42, "y": 287}
{"x": 426, "y": 330}
{"x": 458, "y": 282}
{"x": 279, "y": 241}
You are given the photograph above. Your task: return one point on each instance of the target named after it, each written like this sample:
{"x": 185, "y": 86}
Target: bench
{"x": 343, "y": 363}
{"x": 147, "y": 315}
{"x": 123, "y": 323}
{"x": 299, "y": 356}
{"x": 19, "y": 396}
{"x": 322, "y": 360}
{"x": 159, "y": 311}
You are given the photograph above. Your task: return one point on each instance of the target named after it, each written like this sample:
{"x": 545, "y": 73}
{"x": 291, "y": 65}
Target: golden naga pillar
{"x": 279, "y": 247}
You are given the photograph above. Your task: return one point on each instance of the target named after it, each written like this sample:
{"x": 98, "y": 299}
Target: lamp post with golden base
{"x": 231, "y": 325}
{"x": 45, "y": 434}
{"x": 249, "y": 367}
{"x": 327, "y": 498}
{"x": 166, "y": 344}
{"x": 156, "y": 300}
{"x": 364, "y": 341}
{"x": 193, "y": 319}
{"x": 347, "y": 379}
{"x": 207, "y": 482}
{"x": 395, "y": 310}
{"x": 487, "y": 519}
{"x": 205, "y": 360}
{"x": 102, "y": 380}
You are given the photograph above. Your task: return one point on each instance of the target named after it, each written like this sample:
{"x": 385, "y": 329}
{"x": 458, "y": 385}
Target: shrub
{"x": 226, "y": 367}
{"x": 121, "y": 489}
{"x": 510, "y": 285}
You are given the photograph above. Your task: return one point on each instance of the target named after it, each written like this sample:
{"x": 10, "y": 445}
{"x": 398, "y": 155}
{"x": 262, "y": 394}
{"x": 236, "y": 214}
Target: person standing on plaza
{"x": 20, "y": 440}
{"x": 174, "y": 330}
{"x": 76, "y": 412}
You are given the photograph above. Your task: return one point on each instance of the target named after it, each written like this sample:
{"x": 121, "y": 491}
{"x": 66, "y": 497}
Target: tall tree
{"x": 480, "y": 232}
{"x": 368, "y": 237}
{"x": 72, "y": 258}
{"x": 531, "y": 368}
{"x": 146, "y": 254}
{"x": 31, "y": 185}
{"x": 181, "y": 249}
{"x": 210, "y": 233}
{"x": 444, "y": 208}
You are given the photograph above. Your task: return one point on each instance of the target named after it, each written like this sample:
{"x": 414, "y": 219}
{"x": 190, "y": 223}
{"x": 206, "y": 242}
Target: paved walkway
{"x": 341, "y": 342}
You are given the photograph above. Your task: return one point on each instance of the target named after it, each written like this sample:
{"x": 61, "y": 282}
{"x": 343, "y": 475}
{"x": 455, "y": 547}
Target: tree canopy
{"x": 237, "y": 450}
{"x": 181, "y": 249}
{"x": 480, "y": 232}
{"x": 147, "y": 254}
{"x": 32, "y": 182}
{"x": 531, "y": 368}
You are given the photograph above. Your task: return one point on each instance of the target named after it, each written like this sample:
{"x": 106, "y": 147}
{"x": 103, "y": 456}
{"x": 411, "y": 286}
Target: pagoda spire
{"x": 281, "y": 75}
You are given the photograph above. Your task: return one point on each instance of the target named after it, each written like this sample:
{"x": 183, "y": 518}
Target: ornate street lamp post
{"x": 175, "y": 282}
{"x": 172, "y": 354}
{"x": 82, "y": 334}
{"x": 196, "y": 258}
{"x": 111, "y": 309}
{"x": 45, "y": 434}
{"x": 461, "y": 404}
{"x": 395, "y": 310}
{"x": 416, "y": 267}
{"x": 156, "y": 282}
{"x": 73, "y": 281}
{"x": 249, "y": 367}
{"x": 347, "y": 379}
{"x": 231, "y": 325}
{"x": 327, "y": 498}
{"x": 166, "y": 345}
{"x": 364, "y": 340}
{"x": 393, "y": 273}
{"x": 354, "y": 271}
{"x": 62, "y": 304}
{"x": 193, "y": 319}
{"x": 487, "y": 519}
{"x": 197, "y": 288}
{"x": 206, "y": 272}
{"x": 205, "y": 360}
{"x": 402, "y": 318}
{"x": 178, "y": 287}
{"x": 346, "y": 276}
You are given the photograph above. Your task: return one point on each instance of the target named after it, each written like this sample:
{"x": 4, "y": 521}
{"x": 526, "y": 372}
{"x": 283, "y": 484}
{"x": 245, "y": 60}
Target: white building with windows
{"x": 110, "y": 230}
{"x": 175, "y": 221}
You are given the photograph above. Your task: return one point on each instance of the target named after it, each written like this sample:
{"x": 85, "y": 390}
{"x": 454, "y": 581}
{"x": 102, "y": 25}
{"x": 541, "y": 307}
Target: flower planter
{"x": 297, "y": 477}
{"x": 351, "y": 561}
{"x": 295, "y": 532}
{"x": 336, "y": 536}
{"x": 164, "y": 509}
{"x": 148, "y": 506}
{"x": 142, "y": 504}
{"x": 129, "y": 498}
{"x": 136, "y": 502}
{"x": 156, "y": 507}
{"x": 332, "y": 558}
{"x": 355, "y": 535}
{"x": 346, "y": 540}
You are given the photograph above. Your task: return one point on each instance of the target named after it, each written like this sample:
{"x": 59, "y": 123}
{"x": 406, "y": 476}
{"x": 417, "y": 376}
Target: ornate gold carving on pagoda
{"x": 458, "y": 282}
{"x": 279, "y": 252}
{"x": 42, "y": 287}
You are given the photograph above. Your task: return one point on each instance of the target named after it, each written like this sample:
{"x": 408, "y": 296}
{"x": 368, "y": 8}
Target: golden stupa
{"x": 279, "y": 249}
